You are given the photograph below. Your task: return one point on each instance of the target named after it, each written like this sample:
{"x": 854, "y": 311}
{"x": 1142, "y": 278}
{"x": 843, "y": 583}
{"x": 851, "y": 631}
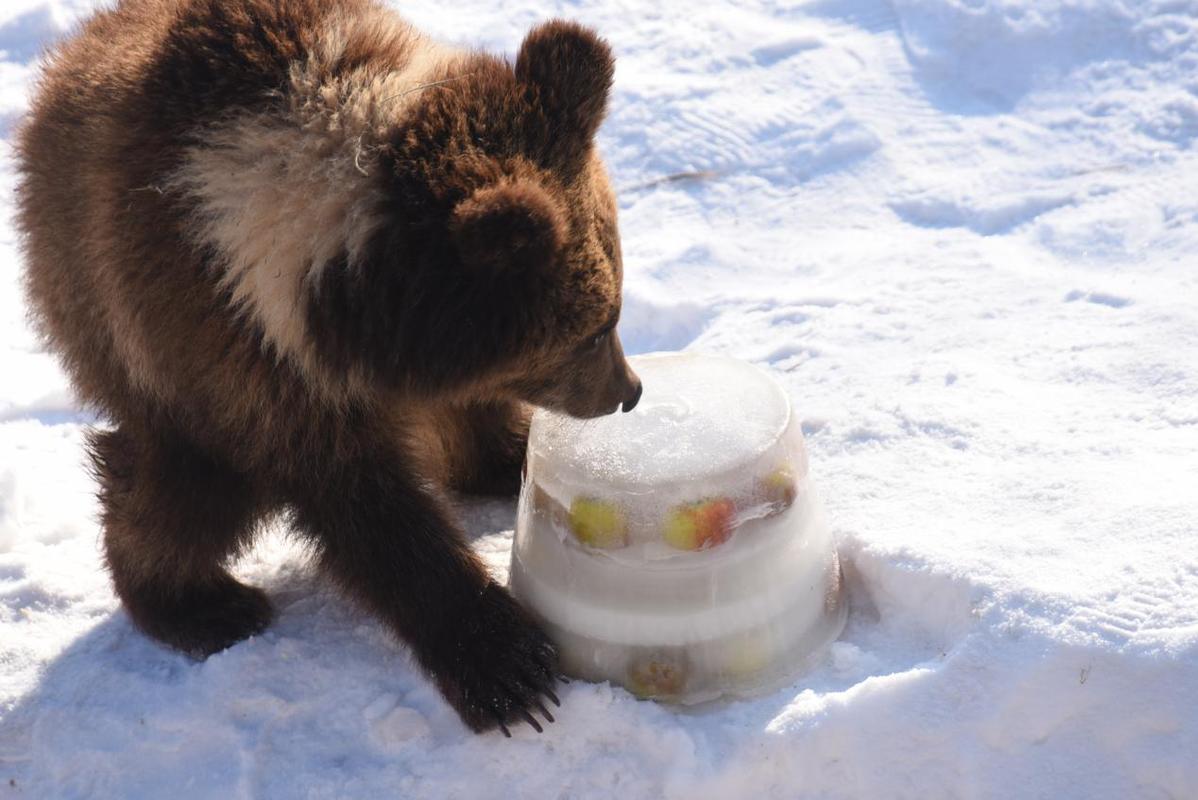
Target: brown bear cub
{"x": 306, "y": 261}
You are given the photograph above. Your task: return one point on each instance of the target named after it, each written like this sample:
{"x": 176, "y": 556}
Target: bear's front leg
{"x": 389, "y": 540}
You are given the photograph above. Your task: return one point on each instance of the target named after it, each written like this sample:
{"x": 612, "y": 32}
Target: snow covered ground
{"x": 961, "y": 232}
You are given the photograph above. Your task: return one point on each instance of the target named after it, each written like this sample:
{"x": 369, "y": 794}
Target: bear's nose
{"x": 631, "y": 402}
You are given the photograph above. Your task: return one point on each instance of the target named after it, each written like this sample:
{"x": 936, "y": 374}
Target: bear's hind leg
{"x": 172, "y": 516}
{"x": 489, "y": 452}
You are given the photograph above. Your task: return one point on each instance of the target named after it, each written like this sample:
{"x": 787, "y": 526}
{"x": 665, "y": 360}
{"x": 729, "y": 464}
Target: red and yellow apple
{"x": 699, "y": 525}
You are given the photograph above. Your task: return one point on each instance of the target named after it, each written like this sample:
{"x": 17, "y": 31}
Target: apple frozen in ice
{"x": 657, "y": 676}
{"x": 748, "y": 654}
{"x": 700, "y": 525}
{"x": 779, "y": 488}
{"x": 598, "y": 523}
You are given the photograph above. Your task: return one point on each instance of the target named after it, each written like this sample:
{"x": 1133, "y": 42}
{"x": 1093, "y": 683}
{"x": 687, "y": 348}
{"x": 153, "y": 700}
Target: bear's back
{"x": 114, "y": 284}
{"x": 66, "y": 147}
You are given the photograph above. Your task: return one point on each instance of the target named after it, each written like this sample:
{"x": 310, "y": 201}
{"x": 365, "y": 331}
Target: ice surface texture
{"x": 699, "y": 416}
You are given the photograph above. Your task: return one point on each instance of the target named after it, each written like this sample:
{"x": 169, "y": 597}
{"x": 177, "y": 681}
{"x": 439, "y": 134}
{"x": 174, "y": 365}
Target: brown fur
{"x": 306, "y": 260}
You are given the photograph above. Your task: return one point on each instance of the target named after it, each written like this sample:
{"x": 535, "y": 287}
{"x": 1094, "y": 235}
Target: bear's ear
{"x": 571, "y": 69}
{"x": 514, "y": 225}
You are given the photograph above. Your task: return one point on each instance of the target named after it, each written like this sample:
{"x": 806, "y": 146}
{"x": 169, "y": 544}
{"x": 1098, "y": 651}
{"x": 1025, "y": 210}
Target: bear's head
{"x": 518, "y": 269}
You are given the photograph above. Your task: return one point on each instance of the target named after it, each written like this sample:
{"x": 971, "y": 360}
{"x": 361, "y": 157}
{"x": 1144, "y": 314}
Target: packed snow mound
{"x": 960, "y": 233}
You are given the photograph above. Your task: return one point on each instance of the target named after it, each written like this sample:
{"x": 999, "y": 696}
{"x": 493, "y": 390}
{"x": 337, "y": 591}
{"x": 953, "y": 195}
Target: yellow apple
{"x": 779, "y": 487}
{"x": 598, "y": 523}
{"x": 747, "y": 655}
{"x": 657, "y": 676}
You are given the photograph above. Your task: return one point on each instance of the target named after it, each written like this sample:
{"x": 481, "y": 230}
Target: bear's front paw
{"x": 498, "y": 667}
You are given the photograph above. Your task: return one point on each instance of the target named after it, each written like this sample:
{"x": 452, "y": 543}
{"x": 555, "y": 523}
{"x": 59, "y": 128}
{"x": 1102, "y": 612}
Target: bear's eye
{"x": 600, "y": 338}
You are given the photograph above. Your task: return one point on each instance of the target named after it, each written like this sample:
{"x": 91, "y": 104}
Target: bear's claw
{"x": 501, "y": 666}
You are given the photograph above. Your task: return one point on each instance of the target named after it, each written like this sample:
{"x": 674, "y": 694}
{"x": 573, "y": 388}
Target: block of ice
{"x": 679, "y": 550}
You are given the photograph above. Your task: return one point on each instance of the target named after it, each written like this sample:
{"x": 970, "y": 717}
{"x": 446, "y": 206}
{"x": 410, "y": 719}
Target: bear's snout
{"x": 621, "y": 389}
{"x": 635, "y": 396}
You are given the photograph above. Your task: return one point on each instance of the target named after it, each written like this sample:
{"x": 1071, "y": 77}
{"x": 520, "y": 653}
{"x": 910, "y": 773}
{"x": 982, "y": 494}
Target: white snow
{"x": 962, "y": 234}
